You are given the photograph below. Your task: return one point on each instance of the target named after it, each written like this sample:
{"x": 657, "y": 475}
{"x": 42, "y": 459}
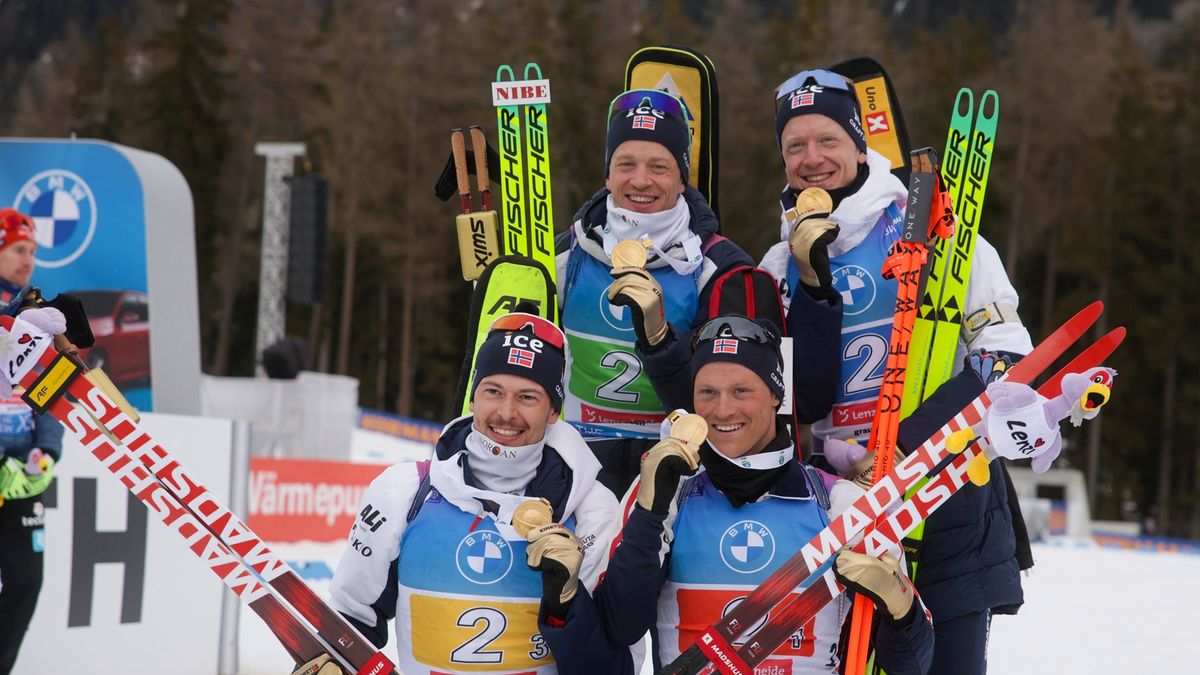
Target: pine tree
{"x": 181, "y": 103}
{"x": 272, "y": 68}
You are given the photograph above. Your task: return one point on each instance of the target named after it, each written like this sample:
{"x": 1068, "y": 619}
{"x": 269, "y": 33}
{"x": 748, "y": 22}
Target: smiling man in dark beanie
{"x": 437, "y": 540}
{"x": 606, "y": 312}
{"x": 828, "y": 263}
{"x": 691, "y": 546}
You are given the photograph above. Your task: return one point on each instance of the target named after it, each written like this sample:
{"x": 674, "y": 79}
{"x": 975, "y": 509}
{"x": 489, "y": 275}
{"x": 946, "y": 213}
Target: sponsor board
{"x": 299, "y": 500}
{"x": 522, "y": 92}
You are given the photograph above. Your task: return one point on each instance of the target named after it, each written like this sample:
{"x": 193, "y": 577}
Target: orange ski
{"x": 928, "y": 203}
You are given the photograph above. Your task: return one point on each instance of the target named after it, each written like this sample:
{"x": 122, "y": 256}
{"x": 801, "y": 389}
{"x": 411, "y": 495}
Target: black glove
{"x": 987, "y": 366}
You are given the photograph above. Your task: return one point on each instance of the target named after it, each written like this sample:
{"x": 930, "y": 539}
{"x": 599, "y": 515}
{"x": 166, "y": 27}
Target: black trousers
{"x": 21, "y": 542}
{"x": 960, "y": 645}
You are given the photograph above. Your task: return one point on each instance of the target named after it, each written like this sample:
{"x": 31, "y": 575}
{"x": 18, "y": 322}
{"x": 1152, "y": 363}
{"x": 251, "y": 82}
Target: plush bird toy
{"x": 1023, "y": 424}
{"x": 1019, "y": 424}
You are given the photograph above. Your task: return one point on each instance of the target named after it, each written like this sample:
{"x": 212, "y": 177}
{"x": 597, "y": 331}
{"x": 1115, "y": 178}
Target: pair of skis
{"x": 970, "y": 145}
{"x": 935, "y": 331}
{"x": 521, "y": 277}
{"x": 528, "y": 215}
{"x": 927, "y": 218}
{"x": 872, "y": 516}
{"x": 306, "y": 627}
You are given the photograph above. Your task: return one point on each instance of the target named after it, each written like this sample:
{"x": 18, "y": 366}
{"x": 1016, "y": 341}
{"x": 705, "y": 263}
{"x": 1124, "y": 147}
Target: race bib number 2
{"x": 468, "y": 635}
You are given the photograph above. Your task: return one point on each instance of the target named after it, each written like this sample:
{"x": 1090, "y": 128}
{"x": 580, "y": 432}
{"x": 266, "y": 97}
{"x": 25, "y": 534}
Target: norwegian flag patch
{"x": 801, "y": 99}
{"x": 725, "y": 346}
{"x": 644, "y": 122}
{"x": 520, "y": 357}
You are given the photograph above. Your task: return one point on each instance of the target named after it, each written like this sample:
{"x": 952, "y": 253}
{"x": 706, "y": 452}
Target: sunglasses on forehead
{"x": 542, "y": 329}
{"x": 823, "y": 78}
{"x": 736, "y": 327}
{"x": 654, "y": 98}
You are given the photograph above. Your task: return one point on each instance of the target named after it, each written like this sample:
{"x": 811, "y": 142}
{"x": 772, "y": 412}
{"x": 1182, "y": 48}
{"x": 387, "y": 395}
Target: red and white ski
{"x": 810, "y": 568}
{"x": 54, "y": 383}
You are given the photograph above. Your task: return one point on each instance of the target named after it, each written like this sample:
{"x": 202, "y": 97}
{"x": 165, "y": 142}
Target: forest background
{"x": 1094, "y": 191}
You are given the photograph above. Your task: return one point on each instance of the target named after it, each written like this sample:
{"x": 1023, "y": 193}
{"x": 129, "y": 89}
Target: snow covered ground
{"x": 1088, "y": 611}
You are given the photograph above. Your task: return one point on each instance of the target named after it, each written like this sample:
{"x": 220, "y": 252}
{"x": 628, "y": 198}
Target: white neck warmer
{"x": 500, "y": 468}
{"x": 858, "y": 213}
{"x": 762, "y": 461}
{"x": 670, "y": 237}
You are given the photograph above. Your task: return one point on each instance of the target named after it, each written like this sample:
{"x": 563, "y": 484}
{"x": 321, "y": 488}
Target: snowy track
{"x": 1088, "y": 611}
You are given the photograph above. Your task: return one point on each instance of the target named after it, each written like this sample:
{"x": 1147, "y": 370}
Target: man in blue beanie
{"x": 828, "y": 264}
{"x": 607, "y": 310}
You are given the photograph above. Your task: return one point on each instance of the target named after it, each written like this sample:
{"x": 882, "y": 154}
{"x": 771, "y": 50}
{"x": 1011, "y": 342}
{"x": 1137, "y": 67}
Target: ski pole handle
{"x": 459, "y": 146}
{"x": 483, "y": 181}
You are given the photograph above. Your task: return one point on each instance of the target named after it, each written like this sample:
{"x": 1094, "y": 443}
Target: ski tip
{"x": 989, "y": 105}
{"x": 537, "y": 71}
{"x": 1093, "y": 310}
{"x": 505, "y": 69}
{"x": 964, "y": 105}
{"x": 1111, "y": 340}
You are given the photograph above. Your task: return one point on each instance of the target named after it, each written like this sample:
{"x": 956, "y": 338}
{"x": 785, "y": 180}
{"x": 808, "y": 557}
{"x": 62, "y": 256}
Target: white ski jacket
{"x": 451, "y": 572}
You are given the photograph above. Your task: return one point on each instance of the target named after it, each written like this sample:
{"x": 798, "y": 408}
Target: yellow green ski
{"x": 970, "y": 144}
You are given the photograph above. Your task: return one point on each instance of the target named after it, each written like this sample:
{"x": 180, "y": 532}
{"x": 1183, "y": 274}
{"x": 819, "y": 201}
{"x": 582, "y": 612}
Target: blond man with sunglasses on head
{"x": 828, "y": 264}
{"x": 709, "y": 521}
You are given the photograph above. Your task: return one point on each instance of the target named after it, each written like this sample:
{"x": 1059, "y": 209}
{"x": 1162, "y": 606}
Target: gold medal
{"x": 530, "y": 515}
{"x": 630, "y": 253}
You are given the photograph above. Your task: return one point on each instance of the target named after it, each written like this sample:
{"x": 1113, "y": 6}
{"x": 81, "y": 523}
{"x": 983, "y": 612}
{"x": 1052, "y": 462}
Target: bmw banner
{"x": 114, "y": 226}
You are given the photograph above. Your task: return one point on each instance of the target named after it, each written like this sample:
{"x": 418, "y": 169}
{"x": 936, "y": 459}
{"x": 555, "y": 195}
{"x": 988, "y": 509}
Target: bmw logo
{"x": 483, "y": 557}
{"x": 747, "y": 546}
{"x": 64, "y": 211}
{"x": 616, "y": 316}
{"x": 856, "y": 286}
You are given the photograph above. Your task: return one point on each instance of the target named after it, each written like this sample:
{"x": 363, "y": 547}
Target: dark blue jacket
{"x": 594, "y": 636}
{"x": 968, "y": 560}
